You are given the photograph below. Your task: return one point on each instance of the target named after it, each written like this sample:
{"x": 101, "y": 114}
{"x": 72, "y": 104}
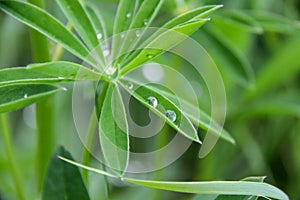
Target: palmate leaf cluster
{"x": 23, "y": 86}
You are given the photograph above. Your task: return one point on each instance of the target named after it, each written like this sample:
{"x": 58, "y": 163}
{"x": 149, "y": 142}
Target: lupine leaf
{"x": 63, "y": 181}
{"x": 180, "y": 122}
{"x": 246, "y": 187}
{"x": 165, "y": 41}
{"x": 13, "y": 97}
{"x": 43, "y": 22}
{"x": 47, "y": 72}
{"x": 114, "y": 138}
{"x": 80, "y": 20}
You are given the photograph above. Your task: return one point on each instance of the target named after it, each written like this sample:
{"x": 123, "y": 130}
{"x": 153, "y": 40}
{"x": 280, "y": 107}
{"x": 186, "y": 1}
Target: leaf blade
{"x": 181, "y": 123}
{"x": 114, "y": 138}
{"x": 63, "y": 181}
{"x": 58, "y": 71}
{"x": 165, "y": 41}
{"x": 76, "y": 13}
{"x": 43, "y": 22}
{"x": 209, "y": 187}
{"x": 13, "y": 97}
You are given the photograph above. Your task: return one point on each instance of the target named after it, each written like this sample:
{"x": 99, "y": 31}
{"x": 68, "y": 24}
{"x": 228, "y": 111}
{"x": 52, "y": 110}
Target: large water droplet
{"x": 152, "y": 101}
{"x": 106, "y": 52}
{"x": 129, "y": 86}
{"x": 122, "y": 35}
{"x": 128, "y": 15}
{"x": 171, "y": 115}
{"x": 99, "y": 36}
{"x": 25, "y": 96}
{"x": 138, "y": 33}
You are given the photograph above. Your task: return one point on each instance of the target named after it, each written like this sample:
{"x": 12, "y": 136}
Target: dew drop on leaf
{"x": 171, "y": 115}
{"x": 106, "y": 52}
{"x": 129, "y": 86}
{"x": 150, "y": 56}
{"x": 64, "y": 89}
{"x": 110, "y": 71}
{"x": 99, "y": 36}
{"x": 152, "y": 101}
{"x": 128, "y": 15}
{"x": 122, "y": 35}
{"x": 60, "y": 78}
{"x": 25, "y": 96}
{"x": 145, "y": 22}
{"x": 138, "y": 33}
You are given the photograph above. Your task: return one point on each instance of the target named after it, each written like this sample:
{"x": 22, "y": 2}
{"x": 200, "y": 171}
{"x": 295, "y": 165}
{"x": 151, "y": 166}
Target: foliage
{"x": 250, "y": 48}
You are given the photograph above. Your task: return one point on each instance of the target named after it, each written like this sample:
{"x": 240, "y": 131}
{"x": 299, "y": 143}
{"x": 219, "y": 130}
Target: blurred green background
{"x": 255, "y": 45}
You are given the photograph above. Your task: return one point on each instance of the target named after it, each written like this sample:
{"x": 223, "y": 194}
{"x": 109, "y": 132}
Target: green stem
{"x": 59, "y": 50}
{"x": 44, "y": 109}
{"x": 4, "y": 129}
{"x": 86, "y": 159}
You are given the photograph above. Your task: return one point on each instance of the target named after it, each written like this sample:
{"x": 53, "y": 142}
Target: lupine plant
{"x": 106, "y": 57}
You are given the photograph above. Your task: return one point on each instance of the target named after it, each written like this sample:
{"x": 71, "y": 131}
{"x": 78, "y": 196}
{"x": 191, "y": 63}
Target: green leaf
{"x": 146, "y": 13}
{"x": 124, "y": 17}
{"x": 232, "y": 197}
{"x": 180, "y": 122}
{"x": 47, "y": 72}
{"x": 241, "y": 19}
{"x": 247, "y": 187}
{"x": 98, "y": 22}
{"x": 13, "y": 97}
{"x": 114, "y": 138}
{"x": 43, "y": 22}
{"x": 165, "y": 41}
{"x": 272, "y": 73}
{"x": 277, "y": 104}
{"x": 229, "y": 59}
{"x": 274, "y": 22}
{"x": 204, "y": 121}
{"x": 80, "y": 20}
{"x": 191, "y": 15}
{"x": 63, "y": 181}
{"x": 216, "y": 187}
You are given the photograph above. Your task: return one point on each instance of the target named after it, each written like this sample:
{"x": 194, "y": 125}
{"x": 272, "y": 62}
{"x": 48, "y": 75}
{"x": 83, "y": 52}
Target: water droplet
{"x": 99, "y": 36}
{"x": 150, "y": 56}
{"x": 110, "y": 71}
{"x": 138, "y": 33}
{"x": 171, "y": 115}
{"x": 60, "y": 78}
{"x": 145, "y": 22}
{"x": 122, "y": 179}
{"x": 152, "y": 101}
{"x": 64, "y": 89}
{"x": 25, "y": 96}
{"x": 122, "y": 35}
{"x": 106, "y": 52}
{"x": 129, "y": 86}
{"x": 128, "y": 15}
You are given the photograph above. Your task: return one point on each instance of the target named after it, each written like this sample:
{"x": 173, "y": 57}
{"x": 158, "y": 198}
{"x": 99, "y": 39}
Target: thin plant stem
{"x": 44, "y": 108}
{"x": 59, "y": 50}
{"x": 6, "y": 134}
